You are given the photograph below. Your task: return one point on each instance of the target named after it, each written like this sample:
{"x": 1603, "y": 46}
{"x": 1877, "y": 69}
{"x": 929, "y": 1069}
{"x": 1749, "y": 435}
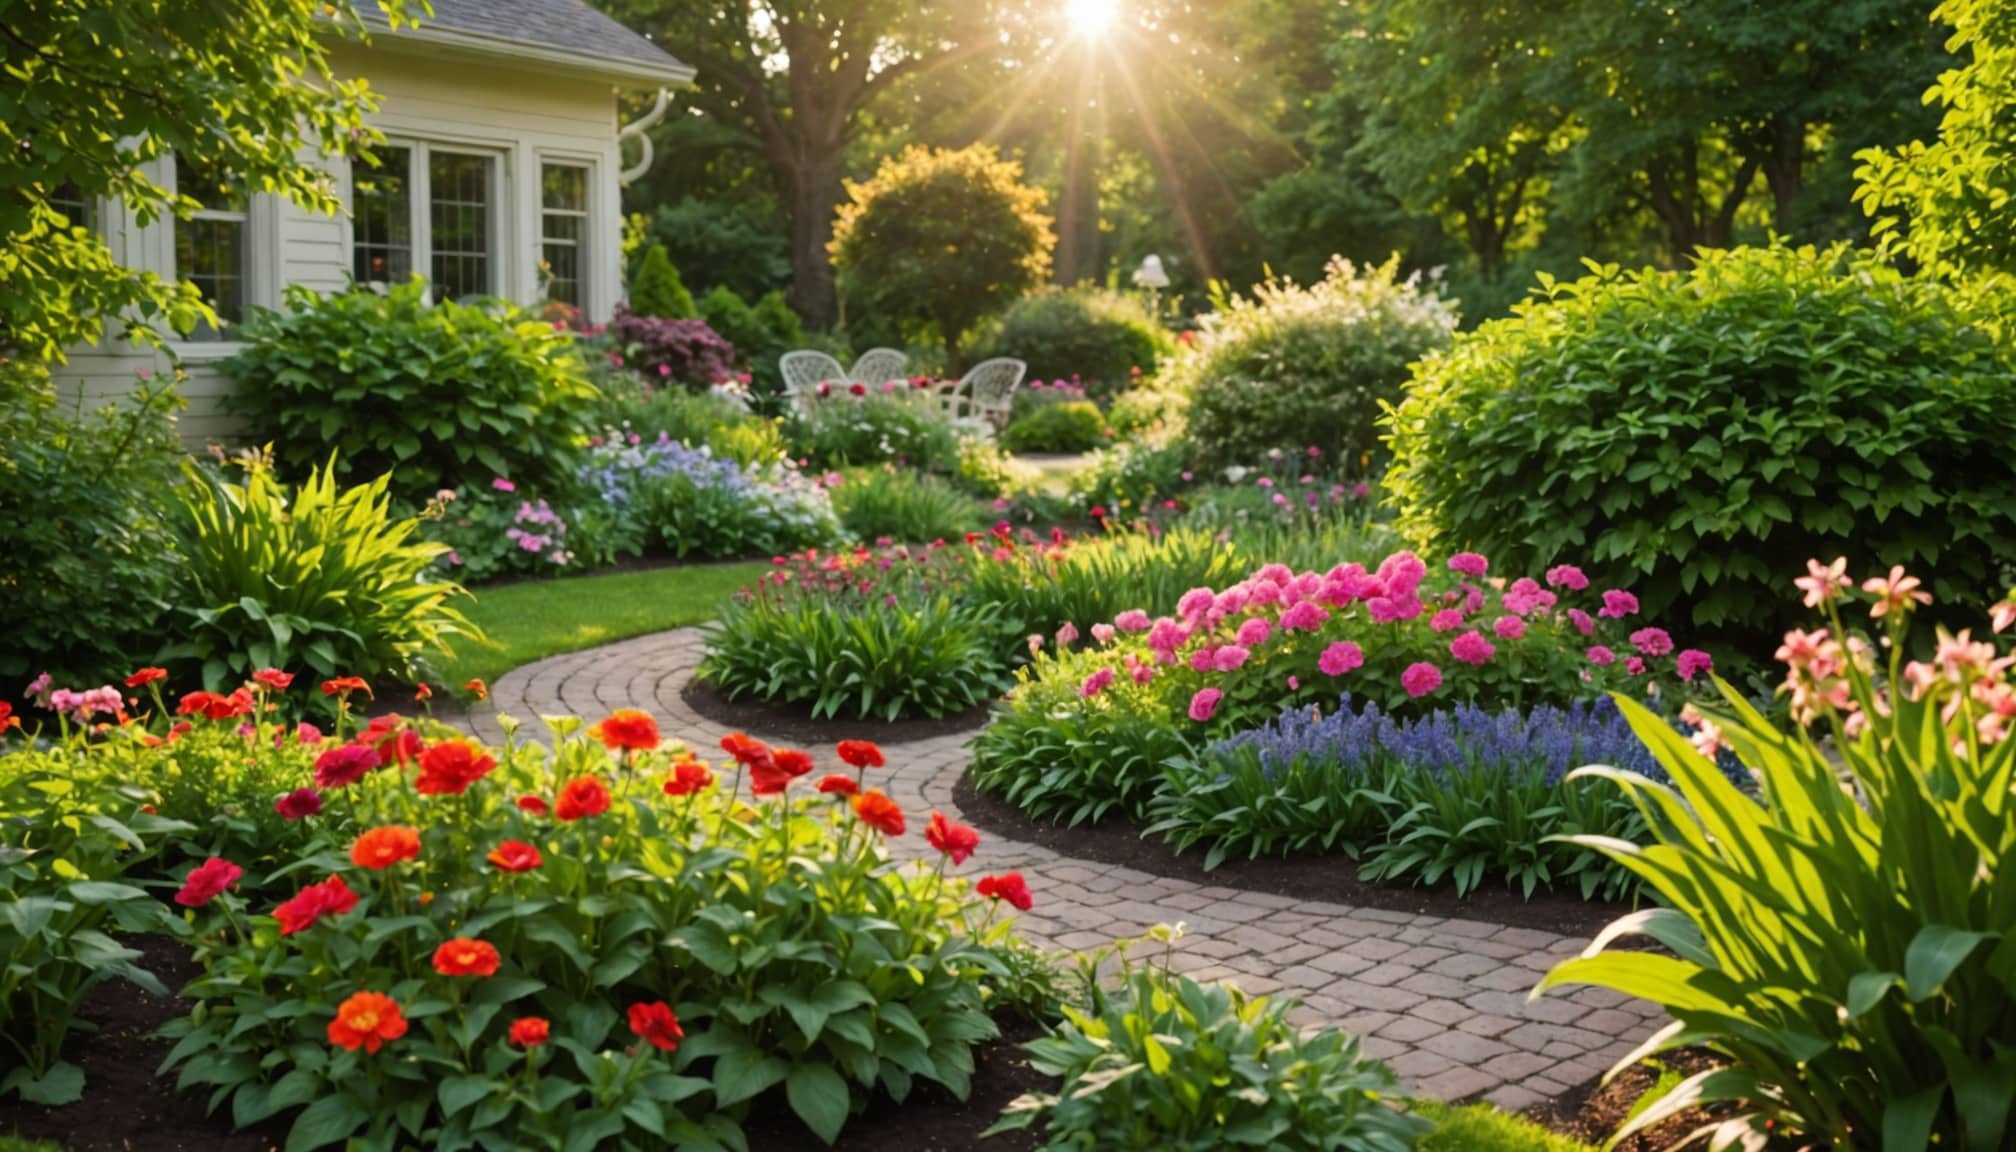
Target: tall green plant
{"x": 1845, "y": 940}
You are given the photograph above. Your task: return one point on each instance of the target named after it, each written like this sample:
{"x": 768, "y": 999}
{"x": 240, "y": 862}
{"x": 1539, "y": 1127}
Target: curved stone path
{"x": 1443, "y": 1001}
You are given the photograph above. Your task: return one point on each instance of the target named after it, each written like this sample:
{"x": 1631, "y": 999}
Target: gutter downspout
{"x": 637, "y": 129}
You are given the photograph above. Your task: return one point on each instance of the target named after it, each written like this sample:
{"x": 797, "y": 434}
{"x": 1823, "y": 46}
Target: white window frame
{"x": 260, "y": 220}
{"x": 585, "y": 264}
{"x": 420, "y": 207}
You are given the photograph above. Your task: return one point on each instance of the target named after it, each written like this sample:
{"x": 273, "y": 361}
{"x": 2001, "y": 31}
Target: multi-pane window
{"x": 210, "y": 245}
{"x": 459, "y": 200}
{"x": 382, "y": 218}
{"x": 563, "y": 230}
{"x": 74, "y": 205}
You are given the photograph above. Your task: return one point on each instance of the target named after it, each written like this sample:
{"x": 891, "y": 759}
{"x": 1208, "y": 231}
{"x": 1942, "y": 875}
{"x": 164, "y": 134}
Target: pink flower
{"x": 1447, "y": 620}
{"x": 1229, "y": 657}
{"x": 1195, "y": 603}
{"x": 1167, "y": 635}
{"x": 1141, "y": 673}
{"x": 1340, "y": 658}
{"x": 1294, "y": 682}
{"x": 1278, "y": 575}
{"x": 1472, "y": 648}
{"x": 1035, "y": 643}
{"x": 1635, "y": 666}
{"x": 298, "y": 804}
{"x": 503, "y": 485}
{"x": 1103, "y": 633}
{"x": 1693, "y": 660}
{"x": 1403, "y": 573}
{"x": 1618, "y": 604}
{"x": 1203, "y": 659}
{"x": 1253, "y": 633}
{"x": 1600, "y": 656}
{"x": 1388, "y": 609}
{"x": 1823, "y": 582}
{"x": 1306, "y": 616}
{"x": 1132, "y": 620}
{"x": 1526, "y": 597}
{"x": 1652, "y": 641}
{"x": 1509, "y": 627}
{"x": 1421, "y": 679}
{"x": 1896, "y": 593}
{"x": 1469, "y": 564}
{"x": 1204, "y": 704}
{"x": 1096, "y": 683}
{"x": 1067, "y": 634}
{"x": 1567, "y": 576}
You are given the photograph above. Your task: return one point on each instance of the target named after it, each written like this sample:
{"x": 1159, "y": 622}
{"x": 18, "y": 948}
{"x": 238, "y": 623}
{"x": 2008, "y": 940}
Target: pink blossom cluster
{"x": 81, "y": 706}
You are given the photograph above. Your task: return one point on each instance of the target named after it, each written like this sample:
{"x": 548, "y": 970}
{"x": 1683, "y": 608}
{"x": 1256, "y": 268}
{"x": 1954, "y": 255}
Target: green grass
{"x": 1482, "y": 1128}
{"x": 13, "y": 1144}
{"x": 541, "y": 618}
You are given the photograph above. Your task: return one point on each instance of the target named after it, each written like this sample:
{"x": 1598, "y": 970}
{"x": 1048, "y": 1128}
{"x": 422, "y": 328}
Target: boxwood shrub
{"x": 1101, "y": 337}
{"x": 1695, "y": 435}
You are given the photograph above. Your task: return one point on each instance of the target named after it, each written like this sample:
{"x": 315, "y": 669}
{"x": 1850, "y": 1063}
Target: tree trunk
{"x": 815, "y": 195}
{"x": 1785, "y": 169}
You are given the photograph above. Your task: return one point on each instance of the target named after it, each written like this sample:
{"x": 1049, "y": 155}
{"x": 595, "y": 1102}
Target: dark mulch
{"x": 1332, "y": 878}
{"x": 1591, "y": 1112}
{"x": 125, "y": 1108}
{"x": 794, "y": 722}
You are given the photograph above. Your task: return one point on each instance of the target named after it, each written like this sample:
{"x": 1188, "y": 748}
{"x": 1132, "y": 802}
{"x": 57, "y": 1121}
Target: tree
{"x": 1953, "y": 202}
{"x": 940, "y": 238}
{"x": 657, "y": 290}
{"x": 91, "y": 93}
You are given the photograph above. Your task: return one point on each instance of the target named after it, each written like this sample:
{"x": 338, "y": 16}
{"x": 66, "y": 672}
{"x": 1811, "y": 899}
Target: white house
{"x": 504, "y": 155}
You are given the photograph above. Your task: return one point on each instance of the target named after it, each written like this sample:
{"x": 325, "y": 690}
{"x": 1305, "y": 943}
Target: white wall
{"x": 523, "y": 112}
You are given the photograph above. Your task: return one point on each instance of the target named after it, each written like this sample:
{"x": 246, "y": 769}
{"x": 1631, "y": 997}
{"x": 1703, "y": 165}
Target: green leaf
{"x": 459, "y": 1092}
{"x": 327, "y": 1121}
{"x": 745, "y": 1072}
{"x": 819, "y": 1096}
{"x": 62, "y": 1084}
{"x": 1933, "y": 955}
{"x": 1867, "y": 989}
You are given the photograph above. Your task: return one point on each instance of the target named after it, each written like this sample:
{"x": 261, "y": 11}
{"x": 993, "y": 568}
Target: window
{"x": 210, "y": 246}
{"x": 459, "y": 210}
{"x": 74, "y": 205}
{"x": 382, "y": 208}
{"x": 563, "y": 230}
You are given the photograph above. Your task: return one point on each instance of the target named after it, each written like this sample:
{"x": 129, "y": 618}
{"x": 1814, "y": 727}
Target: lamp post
{"x": 1152, "y": 276}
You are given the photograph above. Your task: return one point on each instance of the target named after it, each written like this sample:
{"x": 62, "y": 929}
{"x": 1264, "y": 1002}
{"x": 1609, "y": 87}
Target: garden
{"x": 1401, "y": 699}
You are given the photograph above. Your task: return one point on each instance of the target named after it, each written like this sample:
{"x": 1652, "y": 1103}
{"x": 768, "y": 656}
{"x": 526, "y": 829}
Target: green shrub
{"x": 736, "y": 244}
{"x": 1846, "y": 944}
{"x": 982, "y": 468}
{"x": 760, "y": 334}
{"x": 1696, "y": 434}
{"x": 85, "y": 550}
{"x": 437, "y": 395}
{"x": 1074, "y": 426}
{"x": 493, "y": 531}
{"x": 1133, "y": 479}
{"x": 319, "y": 576}
{"x": 696, "y": 419}
{"x": 1482, "y": 1128}
{"x": 844, "y": 430}
{"x": 897, "y": 504}
{"x": 1294, "y": 368}
{"x": 1164, "y": 1062}
{"x": 657, "y": 291}
{"x": 1103, "y": 338}
{"x": 1158, "y": 409}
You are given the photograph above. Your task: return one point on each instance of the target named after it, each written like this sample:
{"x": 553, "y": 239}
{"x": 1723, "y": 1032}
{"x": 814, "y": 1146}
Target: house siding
{"x": 524, "y": 114}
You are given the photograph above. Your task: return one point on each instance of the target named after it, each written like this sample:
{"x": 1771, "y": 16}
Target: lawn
{"x": 535, "y": 619}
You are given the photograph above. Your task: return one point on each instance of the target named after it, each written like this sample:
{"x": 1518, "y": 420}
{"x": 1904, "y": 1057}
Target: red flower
{"x": 858, "y": 389}
{"x": 465, "y": 957}
{"x": 879, "y": 812}
{"x": 214, "y": 706}
{"x": 746, "y": 750}
{"x": 345, "y": 685}
{"x": 146, "y": 676}
{"x": 530, "y": 1031}
{"x": 688, "y": 777}
{"x": 423, "y": 694}
{"x": 402, "y": 746}
{"x": 274, "y": 678}
{"x": 1007, "y": 886}
{"x": 206, "y": 881}
{"x": 860, "y": 754}
{"x": 533, "y": 805}
{"x": 332, "y": 897}
{"x": 515, "y": 856}
{"x": 951, "y": 837}
{"x": 448, "y": 768}
{"x": 380, "y": 848}
{"x": 366, "y": 1020}
{"x": 9, "y": 720}
{"x": 344, "y": 765}
{"x": 627, "y": 730}
{"x": 582, "y": 796}
{"x": 481, "y": 691}
{"x": 656, "y": 1023}
{"x": 839, "y": 785}
{"x": 775, "y": 774}
{"x": 299, "y": 804}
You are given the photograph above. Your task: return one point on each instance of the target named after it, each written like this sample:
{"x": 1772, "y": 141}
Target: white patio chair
{"x": 988, "y": 390}
{"x": 878, "y": 366}
{"x": 804, "y": 371}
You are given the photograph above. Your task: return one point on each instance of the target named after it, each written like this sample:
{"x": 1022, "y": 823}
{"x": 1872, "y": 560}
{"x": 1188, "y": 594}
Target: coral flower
{"x": 146, "y": 676}
{"x": 530, "y": 1031}
{"x": 1007, "y": 886}
{"x": 1895, "y": 593}
{"x": 448, "y": 768}
{"x": 581, "y": 797}
{"x": 879, "y": 812}
{"x": 207, "y": 881}
{"x": 951, "y": 837}
{"x": 331, "y": 897}
{"x": 773, "y": 773}
{"x": 344, "y": 765}
{"x": 367, "y": 1020}
{"x": 480, "y": 691}
{"x": 345, "y": 685}
{"x": 1205, "y": 704}
{"x": 1823, "y": 582}
{"x": 515, "y": 856}
{"x": 465, "y": 957}
{"x": 627, "y": 730}
{"x": 380, "y": 848}
{"x": 214, "y": 706}
{"x": 688, "y": 777}
{"x": 274, "y": 678}
{"x": 860, "y": 754}
{"x": 655, "y": 1023}
{"x": 837, "y": 785}
{"x": 1420, "y": 679}
{"x": 298, "y": 804}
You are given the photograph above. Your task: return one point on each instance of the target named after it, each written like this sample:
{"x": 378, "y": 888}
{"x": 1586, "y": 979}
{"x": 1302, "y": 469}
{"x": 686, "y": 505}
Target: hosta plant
{"x": 1164, "y": 1063}
{"x": 1844, "y": 938}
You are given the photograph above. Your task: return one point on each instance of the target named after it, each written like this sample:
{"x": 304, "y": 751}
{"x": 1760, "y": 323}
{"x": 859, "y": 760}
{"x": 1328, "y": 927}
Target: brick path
{"x": 1442, "y": 1000}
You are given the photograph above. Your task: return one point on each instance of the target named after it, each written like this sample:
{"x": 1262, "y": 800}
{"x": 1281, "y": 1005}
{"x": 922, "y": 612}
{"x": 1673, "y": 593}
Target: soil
{"x": 1328, "y": 878}
{"x": 1592, "y": 1111}
{"x": 794, "y": 722}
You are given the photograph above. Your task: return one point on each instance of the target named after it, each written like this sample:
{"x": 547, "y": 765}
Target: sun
{"x": 1091, "y": 18}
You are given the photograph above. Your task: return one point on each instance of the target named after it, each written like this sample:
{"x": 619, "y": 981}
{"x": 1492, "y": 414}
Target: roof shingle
{"x": 568, "y": 25}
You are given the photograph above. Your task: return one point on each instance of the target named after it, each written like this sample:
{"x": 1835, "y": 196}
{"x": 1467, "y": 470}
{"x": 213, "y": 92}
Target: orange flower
{"x": 627, "y": 730}
{"x": 879, "y": 812}
{"x": 860, "y": 753}
{"x": 381, "y": 848}
{"x": 146, "y": 676}
{"x": 688, "y": 777}
{"x": 366, "y": 1020}
{"x": 515, "y": 856}
{"x": 9, "y": 720}
{"x": 656, "y": 1023}
{"x": 345, "y": 685}
{"x": 838, "y": 785}
{"x": 423, "y": 693}
{"x": 582, "y": 796}
{"x": 448, "y": 768}
{"x": 465, "y": 957}
{"x": 480, "y": 691}
{"x": 530, "y": 1031}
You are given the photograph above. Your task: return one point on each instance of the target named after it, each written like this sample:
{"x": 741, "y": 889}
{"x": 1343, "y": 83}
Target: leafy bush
{"x": 733, "y": 244}
{"x": 1157, "y": 409}
{"x": 894, "y": 504}
{"x": 846, "y": 429}
{"x": 684, "y": 352}
{"x": 761, "y": 334}
{"x": 1130, "y": 479}
{"x": 697, "y": 420}
{"x": 86, "y": 553}
{"x": 666, "y": 497}
{"x": 437, "y": 394}
{"x": 317, "y": 575}
{"x": 656, "y": 290}
{"x": 1696, "y": 433}
{"x": 1099, "y": 336}
{"x": 1073, "y": 426}
{"x": 1167, "y": 1063}
{"x": 1845, "y": 944}
{"x": 492, "y": 531}
{"x": 1294, "y": 367}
